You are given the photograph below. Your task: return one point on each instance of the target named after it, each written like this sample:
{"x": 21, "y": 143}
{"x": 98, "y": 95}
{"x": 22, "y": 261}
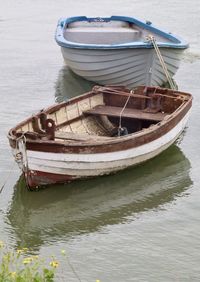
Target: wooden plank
{"x": 128, "y": 113}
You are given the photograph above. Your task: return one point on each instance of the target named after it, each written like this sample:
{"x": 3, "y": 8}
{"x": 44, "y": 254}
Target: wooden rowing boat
{"x": 99, "y": 132}
{"x": 115, "y": 50}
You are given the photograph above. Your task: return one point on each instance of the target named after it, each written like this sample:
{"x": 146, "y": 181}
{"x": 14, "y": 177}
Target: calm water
{"x": 141, "y": 224}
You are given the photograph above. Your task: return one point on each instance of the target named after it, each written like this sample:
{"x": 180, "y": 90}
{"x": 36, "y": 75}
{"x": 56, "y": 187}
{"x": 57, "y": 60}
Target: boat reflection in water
{"x": 64, "y": 211}
{"x": 69, "y": 84}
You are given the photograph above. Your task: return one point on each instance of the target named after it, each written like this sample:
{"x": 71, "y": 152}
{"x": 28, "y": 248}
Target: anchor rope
{"x": 162, "y": 62}
{"x": 8, "y": 176}
{"x": 17, "y": 157}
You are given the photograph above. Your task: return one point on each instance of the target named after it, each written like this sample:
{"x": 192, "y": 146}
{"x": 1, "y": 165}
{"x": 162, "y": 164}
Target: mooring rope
{"x": 8, "y": 176}
{"x": 18, "y": 158}
{"x": 162, "y": 62}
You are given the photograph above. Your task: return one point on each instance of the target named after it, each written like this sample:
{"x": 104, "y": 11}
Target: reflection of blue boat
{"x": 115, "y": 50}
{"x": 60, "y": 213}
{"x": 69, "y": 85}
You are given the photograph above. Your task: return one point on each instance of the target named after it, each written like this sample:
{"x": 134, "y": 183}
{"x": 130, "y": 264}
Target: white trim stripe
{"x": 111, "y": 156}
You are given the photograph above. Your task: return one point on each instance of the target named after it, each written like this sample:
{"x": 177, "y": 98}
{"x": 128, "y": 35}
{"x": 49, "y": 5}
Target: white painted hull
{"x": 87, "y": 165}
{"x": 129, "y": 67}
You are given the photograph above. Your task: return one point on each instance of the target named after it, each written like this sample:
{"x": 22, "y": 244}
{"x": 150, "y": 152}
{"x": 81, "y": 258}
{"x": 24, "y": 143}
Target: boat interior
{"x": 102, "y": 114}
{"x": 107, "y": 32}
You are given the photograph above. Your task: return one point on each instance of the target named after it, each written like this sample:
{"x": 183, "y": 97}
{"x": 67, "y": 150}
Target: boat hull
{"x": 42, "y": 168}
{"x": 129, "y": 67}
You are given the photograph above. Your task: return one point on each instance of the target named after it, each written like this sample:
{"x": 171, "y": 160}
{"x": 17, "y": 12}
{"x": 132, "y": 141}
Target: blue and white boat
{"x": 118, "y": 50}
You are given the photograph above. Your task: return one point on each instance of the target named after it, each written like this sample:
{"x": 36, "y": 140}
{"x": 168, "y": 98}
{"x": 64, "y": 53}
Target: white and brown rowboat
{"x": 77, "y": 138}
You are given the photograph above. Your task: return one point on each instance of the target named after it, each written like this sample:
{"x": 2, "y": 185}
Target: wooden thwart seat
{"x": 128, "y": 113}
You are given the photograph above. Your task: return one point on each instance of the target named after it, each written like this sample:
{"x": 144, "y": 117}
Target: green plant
{"x": 17, "y": 266}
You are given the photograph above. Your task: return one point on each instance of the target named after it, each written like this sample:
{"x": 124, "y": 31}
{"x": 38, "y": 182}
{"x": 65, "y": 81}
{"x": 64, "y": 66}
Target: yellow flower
{"x": 13, "y": 274}
{"x": 27, "y": 260}
{"x": 20, "y": 251}
{"x": 63, "y": 252}
{"x": 54, "y": 263}
{"x": 98, "y": 280}
{"x": 1, "y": 244}
{"x": 25, "y": 249}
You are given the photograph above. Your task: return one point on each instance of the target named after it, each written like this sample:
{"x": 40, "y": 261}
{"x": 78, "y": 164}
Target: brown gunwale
{"x": 52, "y": 109}
{"x": 114, "y": 144}
{"x": 161, "y": 92}
{"x": 55, "y": 107}
{"x": 121, "y": 143}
